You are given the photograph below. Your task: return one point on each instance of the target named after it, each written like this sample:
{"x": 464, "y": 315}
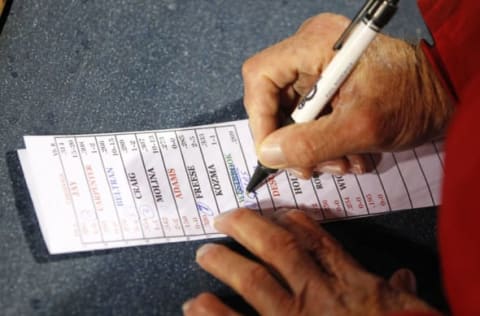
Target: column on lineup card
{"x": 179, "y": 183}
{"x": 120, "y": 192}
{"x": 159, "y": 185}
{"x": 139, "y": 186}
{"x": 280, "y": 191}
{"x": 82, "y": 203}
{"x": 438, "y": 145}
{"x": 351, "y": 193}
{"x": 198, "y": 177}
{"x": 99, "y": 188}
{"x": 329, "y": 196}
{"x": 414, "y": 178}
{"x": 431, "y": 165}
{"x": 236, "y": 165}
{"x": 303, "y": 192}
{"x": 262, "y": 195}
{"x": 393, "y": 183}
{"x": 217, "y": 169}
{"x": 372, "y": 188}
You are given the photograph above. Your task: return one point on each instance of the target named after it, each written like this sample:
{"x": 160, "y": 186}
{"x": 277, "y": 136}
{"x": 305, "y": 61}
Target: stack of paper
{"x": 115, "y": 190}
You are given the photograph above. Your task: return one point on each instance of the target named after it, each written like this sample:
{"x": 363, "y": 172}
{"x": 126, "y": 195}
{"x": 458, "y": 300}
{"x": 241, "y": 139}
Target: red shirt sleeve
{"x": 455, "y": 55}
{"x": 455, "y": 27}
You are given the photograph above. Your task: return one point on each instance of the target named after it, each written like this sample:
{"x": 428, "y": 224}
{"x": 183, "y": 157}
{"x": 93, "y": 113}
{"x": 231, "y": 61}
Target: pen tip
{"x": 259, "y": 176}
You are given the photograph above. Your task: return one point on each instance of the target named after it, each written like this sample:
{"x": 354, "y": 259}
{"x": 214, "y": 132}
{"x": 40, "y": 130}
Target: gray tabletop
{"x": 115, "y": 65}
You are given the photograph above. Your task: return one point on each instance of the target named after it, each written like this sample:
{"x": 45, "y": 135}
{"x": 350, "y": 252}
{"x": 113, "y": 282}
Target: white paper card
{"x": 104, "y": 191}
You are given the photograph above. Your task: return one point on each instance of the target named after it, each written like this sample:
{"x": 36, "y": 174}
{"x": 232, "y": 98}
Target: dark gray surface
{"x": 114, "y": 65}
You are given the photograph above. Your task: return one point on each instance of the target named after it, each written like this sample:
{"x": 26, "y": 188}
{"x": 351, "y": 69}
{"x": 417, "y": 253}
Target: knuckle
{"x": 323, "y": 20}
{"x": 282, "y": 243}
{"x": 240, "y": 214}
{"x": 367, "y": 127}
{"x": 256, "y": 276}
{"x": 308, "y": 22}
{"x": 298, "y": 216}
{"x": 249, "y": 68}
{"x": 377, "y": 285}
{"x": 305, "y": 153}
{"x": 391, "y": 132}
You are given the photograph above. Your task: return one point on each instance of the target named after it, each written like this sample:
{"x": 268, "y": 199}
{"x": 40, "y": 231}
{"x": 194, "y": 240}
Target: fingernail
{"x": 221, "y": 216}
{"x": 332, "y": 169}
{"x": 271, "y": 154}
{"x": 186, "y": 306}
{"x": 203, "y": 250}
{"x": 357, "y": 169}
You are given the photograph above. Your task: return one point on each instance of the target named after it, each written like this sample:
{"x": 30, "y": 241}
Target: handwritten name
{"x": 236, "y": 181}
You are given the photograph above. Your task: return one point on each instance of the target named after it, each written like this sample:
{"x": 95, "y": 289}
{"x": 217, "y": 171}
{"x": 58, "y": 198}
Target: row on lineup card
{"x": 104, "y": 191}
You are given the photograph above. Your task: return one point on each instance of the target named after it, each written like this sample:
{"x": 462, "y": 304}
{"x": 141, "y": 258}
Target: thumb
{"x": 305, "y": 145}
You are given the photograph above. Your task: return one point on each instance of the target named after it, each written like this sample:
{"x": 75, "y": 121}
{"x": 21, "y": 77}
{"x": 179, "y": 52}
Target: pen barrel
{"x": 336, "y": 72}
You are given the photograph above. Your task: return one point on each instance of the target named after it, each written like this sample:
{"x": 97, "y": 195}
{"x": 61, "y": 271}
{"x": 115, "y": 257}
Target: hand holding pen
{"x": 391, "y": 100}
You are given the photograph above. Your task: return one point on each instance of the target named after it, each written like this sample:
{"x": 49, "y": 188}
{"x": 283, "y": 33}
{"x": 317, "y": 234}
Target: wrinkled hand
{"x": 391, "y": 101}
{"x": 304, "y": 271}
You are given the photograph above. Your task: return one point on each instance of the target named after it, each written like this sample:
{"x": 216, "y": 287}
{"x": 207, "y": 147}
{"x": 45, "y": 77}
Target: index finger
{"x": 289, "y": 68}
{"x": 265, "y": 75}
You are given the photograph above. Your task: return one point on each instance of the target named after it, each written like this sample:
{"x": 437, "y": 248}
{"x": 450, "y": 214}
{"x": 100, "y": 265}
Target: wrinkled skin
{"x": 304, "y": 271}
{"x": 391, "y": 101}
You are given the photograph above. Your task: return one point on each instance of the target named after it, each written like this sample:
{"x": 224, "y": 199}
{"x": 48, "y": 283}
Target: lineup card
{"x": 104, "y": 191}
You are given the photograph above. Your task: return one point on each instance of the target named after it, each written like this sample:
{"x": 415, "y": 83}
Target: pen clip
{"x": 358, "y": 17}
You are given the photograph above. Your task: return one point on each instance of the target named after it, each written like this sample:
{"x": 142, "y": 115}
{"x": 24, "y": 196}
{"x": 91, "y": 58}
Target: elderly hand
{"x": 391, "y": 101}
{"x": 304, "y": 271}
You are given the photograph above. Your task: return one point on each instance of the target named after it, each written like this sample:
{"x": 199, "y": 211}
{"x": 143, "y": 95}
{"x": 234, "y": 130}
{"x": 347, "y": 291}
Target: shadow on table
{"x": 382, "y": 250}
{"x": 230, "y": 112}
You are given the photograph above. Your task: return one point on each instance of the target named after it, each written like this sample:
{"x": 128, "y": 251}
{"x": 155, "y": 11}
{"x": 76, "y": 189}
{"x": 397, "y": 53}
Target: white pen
{"x": 373, "y": 16}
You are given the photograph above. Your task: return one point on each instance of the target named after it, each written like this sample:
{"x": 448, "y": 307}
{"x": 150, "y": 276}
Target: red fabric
{"x": 459, "y": 219}
{"x": 455, "y": 27}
